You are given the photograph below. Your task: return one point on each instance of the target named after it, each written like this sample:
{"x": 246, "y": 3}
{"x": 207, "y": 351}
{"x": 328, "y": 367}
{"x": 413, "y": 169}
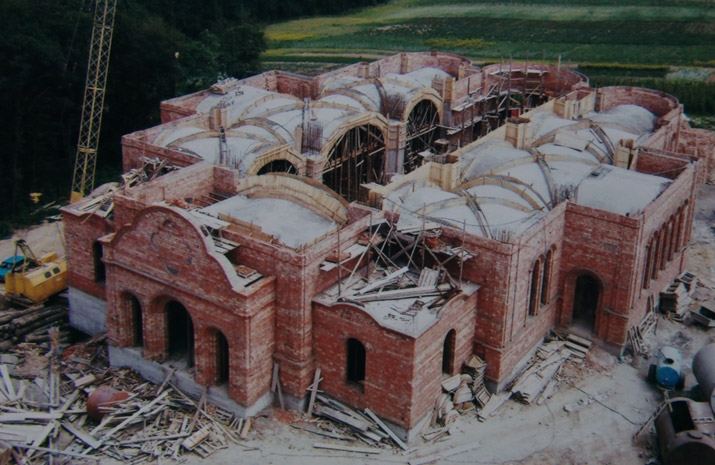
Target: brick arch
{"x": 423, "y": 117}
{"x": 535, "y": 282}
{"x": 285, "y": 155}
{"x": 569, "y": 296}
{"x": 547, "y": 273}
{"x": 355, "y": 155}
{"x": 162, "y": 341}
{"x": 132, "y": 308}
{"x": 214, "y": 354}
{"x": 421, "y": 95}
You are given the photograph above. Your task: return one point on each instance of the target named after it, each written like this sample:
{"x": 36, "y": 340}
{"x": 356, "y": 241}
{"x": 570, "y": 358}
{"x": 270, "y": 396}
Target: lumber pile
{"x": 351, "y": 425}
{"x": 44, "y": 414}
{"x": 32, "y": 325}
{"x": 636, "y": 334}
{"x": 539, "y": 380}
{"x": 675, "y": 300}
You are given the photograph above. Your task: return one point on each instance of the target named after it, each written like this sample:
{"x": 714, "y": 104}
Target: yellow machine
{"x": 35, "y": 280}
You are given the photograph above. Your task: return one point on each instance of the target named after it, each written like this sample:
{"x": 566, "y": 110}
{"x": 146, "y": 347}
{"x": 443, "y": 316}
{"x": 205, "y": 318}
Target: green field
{"x": 673, "y": 33}
{"x": 664, "y": 45}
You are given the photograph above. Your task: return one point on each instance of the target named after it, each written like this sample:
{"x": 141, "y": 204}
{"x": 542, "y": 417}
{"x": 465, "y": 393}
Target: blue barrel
{"x": 669, "y": 366}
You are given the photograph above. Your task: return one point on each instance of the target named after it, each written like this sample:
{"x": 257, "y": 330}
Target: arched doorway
{"x": 585, "y": 301}
{"x": 356, "y": 158}
{"x": 422, "y": 125}
{"x": 278, "y": 166}
{"x": 448, "y": 350}
{"x": 180, "y": 333}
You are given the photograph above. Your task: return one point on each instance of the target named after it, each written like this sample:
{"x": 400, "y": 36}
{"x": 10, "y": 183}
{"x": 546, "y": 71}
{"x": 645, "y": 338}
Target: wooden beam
{"x": 384, "y": 427}
{"x": 360, "y": 450}
{"x": 313, "y": 391}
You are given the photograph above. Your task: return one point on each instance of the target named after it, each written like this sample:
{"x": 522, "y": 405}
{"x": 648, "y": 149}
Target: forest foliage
{"x": 160, "y": 49}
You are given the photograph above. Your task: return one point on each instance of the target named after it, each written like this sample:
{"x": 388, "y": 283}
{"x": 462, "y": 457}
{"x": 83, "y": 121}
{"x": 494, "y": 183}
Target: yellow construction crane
{"x": 94, "y": 90}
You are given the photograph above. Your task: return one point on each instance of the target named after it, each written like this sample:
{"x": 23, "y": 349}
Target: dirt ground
{"x": 590, "y": 420}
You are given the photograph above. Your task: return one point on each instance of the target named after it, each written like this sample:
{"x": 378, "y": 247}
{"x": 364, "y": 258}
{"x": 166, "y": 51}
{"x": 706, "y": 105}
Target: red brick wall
{"x": 161, "y": 257}
{"x": 402, "y": 374}
{"x": 505, "y": 333}
{"x": 80, "y": 235}
{"x": 699, "y": 143}
{"x": 299, "y": 278}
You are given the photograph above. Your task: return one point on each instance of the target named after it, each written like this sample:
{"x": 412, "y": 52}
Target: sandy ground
{"x": 590, "y": 420}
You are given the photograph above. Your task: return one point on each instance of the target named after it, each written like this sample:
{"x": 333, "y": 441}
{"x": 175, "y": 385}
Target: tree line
{"x": 160, "y": 49}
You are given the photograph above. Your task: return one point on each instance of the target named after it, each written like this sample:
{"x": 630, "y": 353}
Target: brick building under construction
{"x": 384, "y": 222}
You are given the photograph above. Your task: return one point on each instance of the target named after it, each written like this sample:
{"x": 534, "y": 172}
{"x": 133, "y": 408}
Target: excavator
{"x": 35, "y": 279}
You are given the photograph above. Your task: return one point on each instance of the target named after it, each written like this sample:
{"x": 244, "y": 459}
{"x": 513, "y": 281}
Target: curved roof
{"x": 506, "y": 190}
{"x": 257, "y": 120}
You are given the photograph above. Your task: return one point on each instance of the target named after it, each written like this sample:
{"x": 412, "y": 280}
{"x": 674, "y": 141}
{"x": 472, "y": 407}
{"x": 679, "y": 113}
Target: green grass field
{"x": 665, "y": 45}
{"x": 677, "y": 33}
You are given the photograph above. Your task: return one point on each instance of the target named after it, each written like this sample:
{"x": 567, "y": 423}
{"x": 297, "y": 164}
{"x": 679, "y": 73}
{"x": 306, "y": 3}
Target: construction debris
{"x": 538, "y": 381}
{"x": 675, "y": 300}
{"x": 32, "y": 325}
{"x": 636, "y": 334}
{"x": 44, "y": 410}
{"x": 101, "y": 200}
{"x": 353, "y": 424}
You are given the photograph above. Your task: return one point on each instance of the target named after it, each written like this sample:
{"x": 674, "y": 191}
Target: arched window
{"x": 656, "y": 253}
{"x": 535, "y": 288}
{"x": 546, "y": 276}
{"x": 355, "y": 362}
{"x": 100, "y": 272}
{"x": 670, "y": 234}
{"x": 647, "y": 265}
{"x": 357, "y": 158}
{"x": 137, "y": 321}
{"x": 278, "y": 166}
{"x": 422, "y": 131}
{"x": 448, "y": 350}
{"x": 222, "y": 365}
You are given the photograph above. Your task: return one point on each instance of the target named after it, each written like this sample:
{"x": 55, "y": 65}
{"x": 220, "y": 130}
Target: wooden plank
{"x": 327, "y": 434}
{"x": 576, "y": 347}
{"x": 359, "y": 425}
{"x": 276, "y": 384}
{"x": 405, "y": 293}
{"x": 154, "y": 438}
{"x": 444, "y": 454}
{"x": 384, "y": 427}
{"x": 84, "y": 380}
{"x": 579, "y": 340}
{"x": 383, "y": 281}
{"x": 359, "y": 450}
{"x": 21, "y": 417}
{"x": 121, "y": 425}
{"x": 245, "y": 429}
{"x": 82, "y": 436}
{"x": 313, "y": 391}
{"x": 196, "y": 438}
{"x": 9, "y": 388}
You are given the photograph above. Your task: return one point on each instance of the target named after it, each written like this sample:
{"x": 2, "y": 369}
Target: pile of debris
{"x": 102, "y": 198}
{"x": 462, "y": 392}
{"x": 347, "y": 424}
{"x": 539, "y": 380}
{"x": 52, "y": 407}
{"x": 676, "y": 298}
{"x": 32, "y": 325}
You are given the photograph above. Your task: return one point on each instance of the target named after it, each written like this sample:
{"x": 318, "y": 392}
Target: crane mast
{"x": 94, "y": 90}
